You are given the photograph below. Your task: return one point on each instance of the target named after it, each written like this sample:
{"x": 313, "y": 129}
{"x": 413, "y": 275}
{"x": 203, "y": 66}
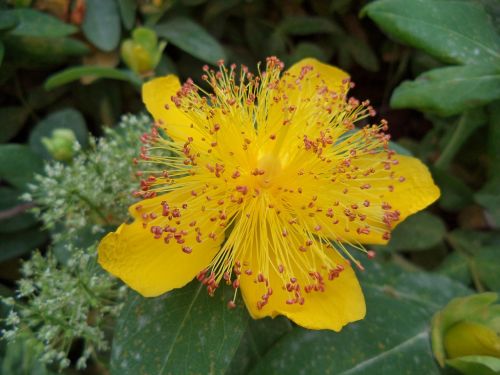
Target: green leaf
{"x": 453, "y": 31}
{"x": 362, "y": 53}
{"x": 12, "y": 121}
{"x": 420, "y": 231}
{"x": 476, "y": 365}
{"x": 7, "y": 20}
{"x": 307, "y": 25}
{"x": 487, "y": 261}
{"x": 450, "y": 90}
{"x": 303, "y": 50}
{"x": 63, "y": 119}
{"x": 183, "y": 332}
{"x": 401, "y": 150}
{"x": 455, "y": 194}
{"x": 30, "y": 51}
{"x": 18, "y": 164}
{"x": 494, "y": 138}
{"x": 18, "y": 243}
{"x": 77, "y": 72}
{"x": 392, "y": 339}
{"x": 127, "y": 11}
{"x": 456, "y": 267}
{"x": 489, "y": 198}
{"x": 101, "y": 24}
{"x": 15, "y": 210}
{"x": 31, "y": 22}
{"x": 259, "y": 337}
{"x": 191, "y": 38}
{"x": 22, "y": 357}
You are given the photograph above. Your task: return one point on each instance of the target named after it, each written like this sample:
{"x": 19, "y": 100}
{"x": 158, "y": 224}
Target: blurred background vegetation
{"x": 71, "y": 68}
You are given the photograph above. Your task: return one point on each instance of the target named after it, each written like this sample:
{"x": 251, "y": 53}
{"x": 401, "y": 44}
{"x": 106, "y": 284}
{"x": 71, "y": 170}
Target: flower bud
{"x": 61, "y": 144}
{"x": 469, "y": 338}
{"x": 143, "y": 52}
{"x": 465, "y": 334}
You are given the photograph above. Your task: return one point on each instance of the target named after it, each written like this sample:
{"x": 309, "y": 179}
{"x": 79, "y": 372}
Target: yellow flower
{"x": 260, "y": 184}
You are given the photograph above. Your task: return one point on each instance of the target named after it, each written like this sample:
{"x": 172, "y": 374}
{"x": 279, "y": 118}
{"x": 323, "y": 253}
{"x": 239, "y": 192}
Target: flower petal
{"x": 340, "y": 303}
{"x": 157, "y": 95}
{"x": 360, "y": 207}
{"x": 321, "y": 75}
{"x": 149, "y": 265}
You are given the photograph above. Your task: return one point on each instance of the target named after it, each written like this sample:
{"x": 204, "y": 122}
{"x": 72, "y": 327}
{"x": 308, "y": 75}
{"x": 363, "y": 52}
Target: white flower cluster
{"x": 64, "y": 296}
{"x": 95, "y": 189}
{"x": 62, "y": 303}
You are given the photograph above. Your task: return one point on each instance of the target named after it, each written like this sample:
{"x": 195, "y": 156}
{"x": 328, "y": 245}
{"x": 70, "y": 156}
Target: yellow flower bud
{"x": 469, "y": 338}
{"x": 142, "y": 53}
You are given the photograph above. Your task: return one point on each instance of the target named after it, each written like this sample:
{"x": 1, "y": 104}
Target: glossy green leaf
{"x": 476, "y": 365}
{"x": 31, "y": 52}
{"x": 13, "y": 212}
{"x": 420, "y": 231}
{"x": 18, "y": 243}
{"x": 12, "y": 121}
{"x": 450, "y": 90}
{"x": 190, "y": 37}
{"x": 259, "y": 337}
{"x": 63, "y": 119}
{"x": 77, "y": 72}
{"x": 127, "y": 11}
{"x": 487, "y": 262}
{"x": 18, "y": 164}
{"x": 183, "y": 332}
{"x": 453, "y": 31}
{"x": 393, "y": 339}
{"x": 307, "y": 25}
{"x": 31, "y": 22}
{"x": 101, "y": 24}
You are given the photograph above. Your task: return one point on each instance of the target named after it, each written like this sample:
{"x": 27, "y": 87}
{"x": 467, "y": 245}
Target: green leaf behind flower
{"x": 190, "y": 37}
{"x": 392, "y": 339}
{"x": 450, "y": 90}
{"x": 183, "y": 332}
{"x": 453, "y": 31}
{"x": 101, "y": 25}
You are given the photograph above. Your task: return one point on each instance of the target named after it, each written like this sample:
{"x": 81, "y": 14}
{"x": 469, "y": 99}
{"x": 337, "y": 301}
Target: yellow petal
{"x": 321, "y": 75}
{"x": 300, "y": 91}
{"x": 360, "y": 203}
{"x": 342, "y": 301}
{"x": 157, "y": 95}
{"x": 148, "y": 265}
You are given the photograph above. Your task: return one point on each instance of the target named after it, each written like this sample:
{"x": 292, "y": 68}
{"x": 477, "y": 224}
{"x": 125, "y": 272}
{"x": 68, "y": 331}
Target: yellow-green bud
{"x": 143, "y": 52}
{"x": 469, "y": 338}
{"x": 61, "y": 144}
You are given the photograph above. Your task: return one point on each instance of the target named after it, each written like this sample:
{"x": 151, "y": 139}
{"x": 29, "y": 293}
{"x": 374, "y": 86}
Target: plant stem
{"x": 459, "y": 136}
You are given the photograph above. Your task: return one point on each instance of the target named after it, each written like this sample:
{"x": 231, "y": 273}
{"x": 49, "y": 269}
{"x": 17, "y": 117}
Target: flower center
{"x": 268, "y": 169}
